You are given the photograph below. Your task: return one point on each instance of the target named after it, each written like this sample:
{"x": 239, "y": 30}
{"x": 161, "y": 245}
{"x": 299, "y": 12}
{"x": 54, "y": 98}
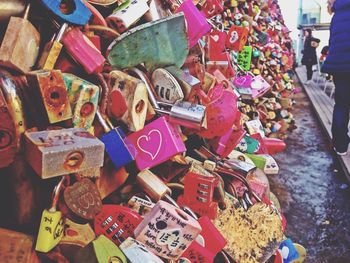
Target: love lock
{"x": 221, "y": 110}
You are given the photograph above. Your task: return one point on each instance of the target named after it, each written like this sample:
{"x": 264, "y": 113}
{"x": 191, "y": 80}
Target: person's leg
{"x": 341, "y": 112}
{"x": 309, "y": 71}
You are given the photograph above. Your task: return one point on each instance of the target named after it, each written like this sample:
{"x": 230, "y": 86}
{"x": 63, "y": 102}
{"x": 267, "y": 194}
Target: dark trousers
{"x": 341, "y": 111}
{"x": 309, "y": 71}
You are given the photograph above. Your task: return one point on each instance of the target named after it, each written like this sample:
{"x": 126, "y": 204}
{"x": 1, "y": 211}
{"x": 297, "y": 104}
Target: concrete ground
{"x": 312, "y": 190}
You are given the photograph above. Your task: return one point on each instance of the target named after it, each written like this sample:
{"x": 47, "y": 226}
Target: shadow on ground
{"x": 313, "y": 192}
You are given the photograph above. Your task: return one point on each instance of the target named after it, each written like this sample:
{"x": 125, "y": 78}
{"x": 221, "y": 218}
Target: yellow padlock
{"x": 52, "y": 224}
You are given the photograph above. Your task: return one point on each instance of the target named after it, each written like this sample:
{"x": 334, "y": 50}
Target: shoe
{"x": 308, "y": 82}
{"x": 340, "y": 153}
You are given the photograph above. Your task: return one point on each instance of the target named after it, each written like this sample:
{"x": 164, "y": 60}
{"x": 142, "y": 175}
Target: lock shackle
{"x": 149, "y": 86}
{"x": 57, "y": 191}
{"x": 26, "y": 11}
{"x": 106, "y": 125}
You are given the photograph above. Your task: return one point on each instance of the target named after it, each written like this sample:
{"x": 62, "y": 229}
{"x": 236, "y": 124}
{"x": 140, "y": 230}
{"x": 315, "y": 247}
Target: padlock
{"x": 81, "y": 201}
{"x": 216, "y": 44}
{"x": 115, "y": 144}
{"x": 49, "y": 89}
{"x": 236, "y": 38}
{"x": 140, "y": 205}
{"x": 11, "y": 8}
{"x": 271, "y": 166}
{"x": 77, "y": 234}
{"x": 196, "y": 22}
{"x": 207, "y": 245}
{"x": 184, "y": 113}
{"x": 222, "y": 61}
{"x": 58, "y": 152}
{"x": 212, "y": 8}
{"x": 20, "y": 46}
{"x": 166, "y": 86}
{"x": 116, "y": 222}
{"x": 199, "y": 194}
{"x": 154, "y": 187}
{"x": 254, "y": 127}
{"x": 74, "y": 11}
{"x": 52, "y": 50}
{"x": 83, "y": 97}
{"x": 52, "y": 223}
{"x": 155, "y": 143}
{"x": 8, "y": 145}
{"x": 16, "y": 247}
{"x": 274, "y": 145}
{"x": 157, "y": 10}
{"x": 124, "y": 52}
{"x": 186, "y": 81}
{"x": 224, "y": 145}
{"x": 101, "y": 250}
{"x": 134, "y": 96}
{"x": 136, "y": 252}
{"x": 248, "y": 145}
{"x": 83, "y": 51}
{"x": 127, "y": 15}
{"x": 219, "y": 116}
{"x": 12, "y": 97}
{"x": 167, "y": 231}
{"x": 245, "y": 58}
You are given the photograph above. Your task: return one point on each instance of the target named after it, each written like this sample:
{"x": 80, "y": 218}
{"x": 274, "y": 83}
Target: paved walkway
{"x": 323, "y": 106}
{"x": 314, "y": 197}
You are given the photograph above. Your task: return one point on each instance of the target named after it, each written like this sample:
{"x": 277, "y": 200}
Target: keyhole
{"x": 54, "y": 96}
{"x": 67, "y": 7}
{"x": 139, "y": 106}
{"x": 74, "y": 160}
{"x": 86, "y": 109}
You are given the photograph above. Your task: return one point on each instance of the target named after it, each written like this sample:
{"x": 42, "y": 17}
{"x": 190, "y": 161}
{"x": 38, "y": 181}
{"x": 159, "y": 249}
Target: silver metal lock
{"x": 166, "y": 86}
{"x": 184, "y": 113}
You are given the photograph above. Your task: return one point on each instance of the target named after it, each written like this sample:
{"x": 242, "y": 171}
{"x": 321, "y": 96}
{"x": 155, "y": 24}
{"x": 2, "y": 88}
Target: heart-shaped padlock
{"x": 82, "y": 200}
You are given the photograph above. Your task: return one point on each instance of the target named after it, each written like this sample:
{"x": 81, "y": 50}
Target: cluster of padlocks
{"x": 151, "y": 124}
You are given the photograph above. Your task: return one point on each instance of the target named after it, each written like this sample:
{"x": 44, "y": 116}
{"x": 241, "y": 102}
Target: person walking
{"x": 309, "y": 54}
{"x": 337, "y": 63}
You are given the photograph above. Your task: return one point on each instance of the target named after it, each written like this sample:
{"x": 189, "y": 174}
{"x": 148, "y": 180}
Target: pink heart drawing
{"x": 243, "y": 81}
{"x": 150, "y": 144}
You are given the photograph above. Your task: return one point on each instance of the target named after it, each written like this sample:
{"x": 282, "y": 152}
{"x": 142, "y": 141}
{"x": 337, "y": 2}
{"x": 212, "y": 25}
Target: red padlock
{"x": 116, "y": 222}
{"x": 83, "y": 51}
{"x": 199, "y": 193}
{"x": 236, "y": 38}
{"x": 207, "y": 245}
{"x": 212, "y": 8}
{"x": 274, "y": 145}
{"x": 216, "y": 45}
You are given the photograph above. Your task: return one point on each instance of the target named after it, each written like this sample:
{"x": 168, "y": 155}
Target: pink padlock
{"x": 157, "y": 142}
{"x": 221, "y": 61}
{"x": 83, "y": 51}
{"x": 167, "y": 231}
{"x": 221, "y": 111}
{"x": 196, "y": 23}
{"x": 259, "y": 86}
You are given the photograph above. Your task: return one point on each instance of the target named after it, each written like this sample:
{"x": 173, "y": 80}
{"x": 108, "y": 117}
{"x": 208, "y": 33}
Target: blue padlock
{"x": 288, "y": 251}
{"x": 71, "y": 11}
{"x": 116, "y": 147}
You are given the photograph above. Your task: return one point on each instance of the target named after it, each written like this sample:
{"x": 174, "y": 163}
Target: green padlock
{"x": 52, "y": 224}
